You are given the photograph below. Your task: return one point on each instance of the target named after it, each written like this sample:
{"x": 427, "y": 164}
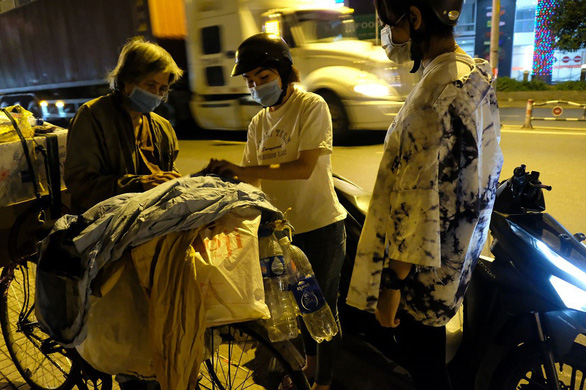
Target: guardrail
{"x": 556, "y": 111}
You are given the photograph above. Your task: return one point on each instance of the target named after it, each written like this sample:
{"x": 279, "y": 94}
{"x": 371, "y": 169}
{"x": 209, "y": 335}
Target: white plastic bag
{"x": 228, "y": 269}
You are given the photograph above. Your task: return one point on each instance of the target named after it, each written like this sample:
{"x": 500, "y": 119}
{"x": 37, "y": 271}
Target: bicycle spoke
{"x": 245, "y": 360}
{"x": 41, "y": 362}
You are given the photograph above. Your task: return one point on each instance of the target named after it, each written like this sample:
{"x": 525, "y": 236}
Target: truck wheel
{"x": 340, "y": 122}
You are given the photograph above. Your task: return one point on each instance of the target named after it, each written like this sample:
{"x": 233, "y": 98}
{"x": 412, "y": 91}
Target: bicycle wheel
{"x": 243, "y": 359}
{"x": 42, "y": 362}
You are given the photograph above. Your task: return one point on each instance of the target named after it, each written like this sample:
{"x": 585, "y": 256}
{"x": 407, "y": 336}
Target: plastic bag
{"x": 228, "y": 269}
{"x": 117, "y": 339}
{"x": 22, "y": 117}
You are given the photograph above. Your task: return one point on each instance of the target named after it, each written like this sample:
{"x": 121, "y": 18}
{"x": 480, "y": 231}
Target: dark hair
{"x": 434, "y": 26}
{"x": 294, "y": 76}
{"x": 137, "y": 59}
{"x": 288, "y": 73}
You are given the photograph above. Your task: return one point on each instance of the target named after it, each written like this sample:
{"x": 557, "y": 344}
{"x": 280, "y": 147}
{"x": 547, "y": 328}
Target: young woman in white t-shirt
{"x": 288, "y": 154}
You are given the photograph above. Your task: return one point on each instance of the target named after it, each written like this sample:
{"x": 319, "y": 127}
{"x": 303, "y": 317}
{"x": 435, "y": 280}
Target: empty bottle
{"x": 283, "y": 323}
{"x": 315, "y": 311}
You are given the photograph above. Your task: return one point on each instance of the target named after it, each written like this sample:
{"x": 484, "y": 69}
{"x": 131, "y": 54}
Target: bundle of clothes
{"x": 134, "y": 282}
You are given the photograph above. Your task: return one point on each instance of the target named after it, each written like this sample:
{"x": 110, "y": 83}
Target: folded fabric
{"x": 102, "y": 234}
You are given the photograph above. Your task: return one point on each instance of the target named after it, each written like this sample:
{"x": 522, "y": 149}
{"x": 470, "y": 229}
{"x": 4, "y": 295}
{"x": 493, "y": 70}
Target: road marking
{"x": 578, "y": 132}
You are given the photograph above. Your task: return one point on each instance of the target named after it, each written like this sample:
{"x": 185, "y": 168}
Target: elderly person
{"x": 116, "y": 144}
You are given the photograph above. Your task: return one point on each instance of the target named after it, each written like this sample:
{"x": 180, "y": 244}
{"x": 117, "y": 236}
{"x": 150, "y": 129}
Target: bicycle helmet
{"x": 260, "y": 49}
{"x": 448, "y": 11}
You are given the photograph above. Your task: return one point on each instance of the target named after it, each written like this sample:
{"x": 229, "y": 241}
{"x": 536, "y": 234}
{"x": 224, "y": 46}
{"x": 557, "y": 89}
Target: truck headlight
{"x": 373, "y": 90}
{"x": 572, "y": 296}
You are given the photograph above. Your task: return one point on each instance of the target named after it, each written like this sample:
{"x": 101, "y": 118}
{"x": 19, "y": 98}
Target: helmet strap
{"x": 284, "y": 72}
{"x": 282, "y": 95}
{"x": 417, "y": 39}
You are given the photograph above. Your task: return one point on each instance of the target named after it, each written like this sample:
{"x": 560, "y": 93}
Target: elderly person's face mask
{"x": 143, "y": 101}
{"x": 147, "y": 94}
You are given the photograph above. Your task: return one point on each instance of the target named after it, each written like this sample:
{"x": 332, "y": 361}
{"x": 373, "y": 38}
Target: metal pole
{"x": 376, "y": 34}
{"x": 528, "y": 115}
{"x": 494, "y": 36}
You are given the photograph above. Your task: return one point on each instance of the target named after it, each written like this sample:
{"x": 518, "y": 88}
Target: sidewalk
{"x": 358, "y": 366}
{"x": 9, "y": 377}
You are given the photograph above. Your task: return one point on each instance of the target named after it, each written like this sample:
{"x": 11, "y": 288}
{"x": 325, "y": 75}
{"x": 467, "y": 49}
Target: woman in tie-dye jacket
{"x": 430, "y": 210}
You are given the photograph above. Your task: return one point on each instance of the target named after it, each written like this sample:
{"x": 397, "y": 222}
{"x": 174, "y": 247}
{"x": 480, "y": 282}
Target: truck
{"x": 55, "y": 54}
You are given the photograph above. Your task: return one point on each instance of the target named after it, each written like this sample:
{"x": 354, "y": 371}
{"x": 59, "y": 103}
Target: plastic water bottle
{"x": 283, "y": 323}
{"x": 315, "y": 311}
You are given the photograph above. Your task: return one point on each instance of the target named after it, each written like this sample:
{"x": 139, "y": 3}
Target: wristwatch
{"x": 390, "y": 280}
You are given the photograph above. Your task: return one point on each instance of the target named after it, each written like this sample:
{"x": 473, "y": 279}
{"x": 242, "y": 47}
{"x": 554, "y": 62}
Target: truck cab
{"x": 363, "y": 89}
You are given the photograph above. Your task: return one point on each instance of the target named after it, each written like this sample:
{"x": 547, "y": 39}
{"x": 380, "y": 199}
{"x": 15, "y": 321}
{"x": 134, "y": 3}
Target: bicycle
{"x": 246, "y": 359}
{"x": 240, "y": 355}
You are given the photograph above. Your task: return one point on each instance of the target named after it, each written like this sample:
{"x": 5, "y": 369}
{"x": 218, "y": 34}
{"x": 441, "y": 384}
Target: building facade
{"x": 525, "y": 47}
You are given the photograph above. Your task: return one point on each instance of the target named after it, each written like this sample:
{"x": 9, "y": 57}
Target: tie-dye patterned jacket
{"x": 435, "y": 190}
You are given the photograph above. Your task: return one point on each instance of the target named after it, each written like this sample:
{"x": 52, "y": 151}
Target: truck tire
{"x": 340, "y": 122}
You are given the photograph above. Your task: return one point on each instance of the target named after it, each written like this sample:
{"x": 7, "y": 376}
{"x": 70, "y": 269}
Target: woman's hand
{"x": 222, "y": 168}
{"x": 151, "y": 181}
{"x": 387, "y": 307}
{"x": 228, "y": 170}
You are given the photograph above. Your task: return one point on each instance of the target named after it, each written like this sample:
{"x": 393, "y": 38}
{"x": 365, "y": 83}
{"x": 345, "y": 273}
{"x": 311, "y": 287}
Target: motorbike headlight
{"x": 372, "y": 90}
{"x": 572, "y": 296}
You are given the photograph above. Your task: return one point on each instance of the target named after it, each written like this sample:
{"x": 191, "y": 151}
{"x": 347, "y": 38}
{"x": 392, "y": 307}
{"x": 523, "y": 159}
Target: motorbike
{"x": 523, "y": 320}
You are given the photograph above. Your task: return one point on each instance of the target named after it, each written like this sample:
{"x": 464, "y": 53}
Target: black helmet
{"x": 448, "y": 11}
{"x": 259, "y": 49}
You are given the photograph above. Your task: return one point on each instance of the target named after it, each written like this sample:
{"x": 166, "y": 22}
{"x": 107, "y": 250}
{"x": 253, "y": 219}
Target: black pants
{"x": 325, "y": 248}
{"x": 422, "y": 352}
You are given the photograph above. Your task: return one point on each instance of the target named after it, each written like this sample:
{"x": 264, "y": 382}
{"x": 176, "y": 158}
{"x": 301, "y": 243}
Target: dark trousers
{"x": 422, "y": 352}
{"x": 325, "y": 248}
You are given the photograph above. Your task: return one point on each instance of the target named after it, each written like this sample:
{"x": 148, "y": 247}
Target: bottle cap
{"x": 284, "y": 241}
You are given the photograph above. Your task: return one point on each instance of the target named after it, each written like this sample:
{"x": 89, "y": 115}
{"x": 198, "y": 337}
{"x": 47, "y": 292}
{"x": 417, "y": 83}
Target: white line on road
{"x": 582, "y": 133}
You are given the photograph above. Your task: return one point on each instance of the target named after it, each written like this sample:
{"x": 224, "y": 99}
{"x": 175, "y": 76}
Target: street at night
{"x": 122, "y": 268}
{"x": 554, "y": 149}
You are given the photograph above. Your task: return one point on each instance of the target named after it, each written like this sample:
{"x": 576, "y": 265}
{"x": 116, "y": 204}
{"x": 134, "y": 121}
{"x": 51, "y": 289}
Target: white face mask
{"x": 399, "y": 53}
{"x": 267, "y": 94}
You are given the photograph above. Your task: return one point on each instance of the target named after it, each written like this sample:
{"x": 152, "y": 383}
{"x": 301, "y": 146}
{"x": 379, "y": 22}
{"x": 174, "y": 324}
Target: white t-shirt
{"x": 302, "y": 123}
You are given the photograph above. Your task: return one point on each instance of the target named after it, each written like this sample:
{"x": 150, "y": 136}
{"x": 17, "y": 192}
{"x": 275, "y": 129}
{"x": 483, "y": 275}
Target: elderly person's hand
{"x": 151, "y": 181}
{"x": 226, "y": 169}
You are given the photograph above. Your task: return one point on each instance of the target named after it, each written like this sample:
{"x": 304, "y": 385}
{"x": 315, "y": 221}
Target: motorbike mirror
{"x": 521, "y": 193}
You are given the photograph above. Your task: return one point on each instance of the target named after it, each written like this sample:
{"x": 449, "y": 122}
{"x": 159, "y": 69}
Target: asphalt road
{"x": 557, "y": 152}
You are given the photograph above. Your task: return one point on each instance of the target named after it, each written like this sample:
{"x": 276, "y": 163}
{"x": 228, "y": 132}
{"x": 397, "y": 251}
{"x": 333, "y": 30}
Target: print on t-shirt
{"x": 269, "y": 149}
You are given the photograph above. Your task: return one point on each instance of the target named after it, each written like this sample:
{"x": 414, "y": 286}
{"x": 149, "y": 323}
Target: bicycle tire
{"x": 41, "y": 362}
{"x": 245, "y": 359}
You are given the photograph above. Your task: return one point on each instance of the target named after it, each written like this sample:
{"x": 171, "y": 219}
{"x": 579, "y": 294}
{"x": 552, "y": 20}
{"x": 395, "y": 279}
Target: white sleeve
{"x": 316, "y": 126}
{"x": 250, "y": 156}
